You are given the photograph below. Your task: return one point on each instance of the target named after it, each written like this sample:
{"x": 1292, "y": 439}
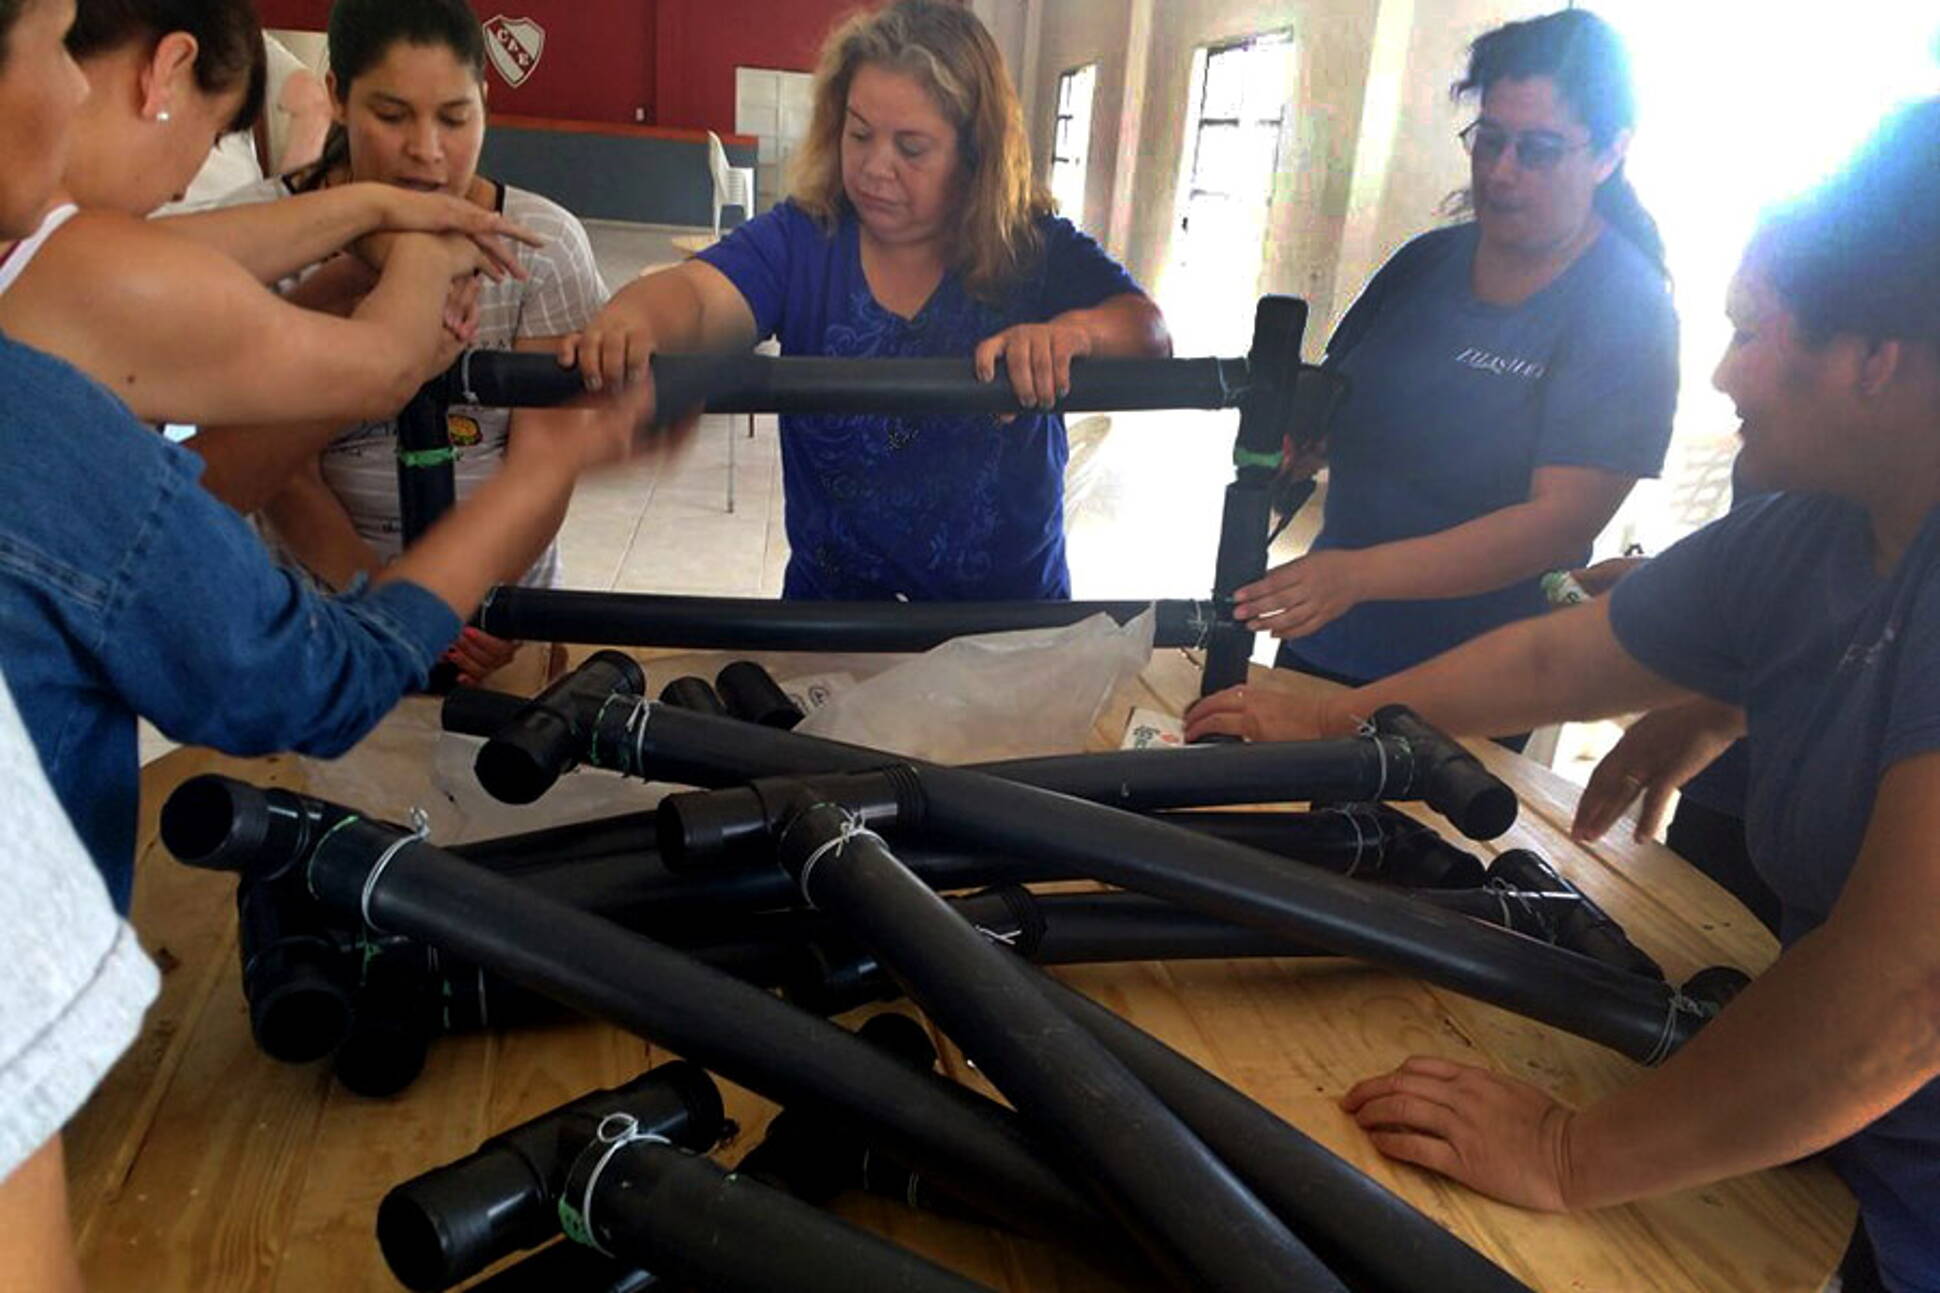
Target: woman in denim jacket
{"x": 126, "y": 590}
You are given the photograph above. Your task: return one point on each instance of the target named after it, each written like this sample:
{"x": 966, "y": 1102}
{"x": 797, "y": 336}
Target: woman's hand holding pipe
{"x": 1269, "y": 714}
{"x": 1037, "y": 357}
{"x": 1503, "y": 1137}
{"x": 615, "y": 348}
{"x": 478, "y": 655}
{"x": 1661, "y": 751}
{"x": 1305, "y": 594}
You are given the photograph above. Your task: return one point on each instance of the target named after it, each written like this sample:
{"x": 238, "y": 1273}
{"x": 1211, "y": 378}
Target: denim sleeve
{"x": 217, "y": 645}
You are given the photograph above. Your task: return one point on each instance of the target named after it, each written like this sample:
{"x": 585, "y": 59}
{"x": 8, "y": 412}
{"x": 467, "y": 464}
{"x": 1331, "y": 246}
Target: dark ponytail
{"x": 1586, "y": 59}
{"x": 1617, "y": 202}
{"x": 362, "y": 33}
{"x": 228, "y": 39}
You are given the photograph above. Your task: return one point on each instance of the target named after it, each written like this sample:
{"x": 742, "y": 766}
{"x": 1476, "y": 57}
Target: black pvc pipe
{"x": 748, "y": 383}
{"x": 566, "y": 1267}
{"x": 1582, "y": 926}
{"x": 298, "y": 975}
{"x": 1080, "y": 929}
{"x": 1088, "y": 928}
{"x": 1376, "y": 1240}
{"x": 1641, "y": 1018}
{"x": 426, "y": 487}
{"x": 547, "y": 732}
{"x": 1405, "y": 759}
{"x": 954, "y": 1136}
{"x": 752, "y": 695}
{"x": 1421, "y": 763}
{"x": 1366, "y": 841}
{"x": 695, "y": 694}
{"x": 1636, "y": 1016}
{"x": 682, "y": 1217}
{"x": 757, "y": 624}
{"x": 1266, "y": 422}
{"x": 815, "y": 1158}
{"x": 599, "y": 837}
{"x": 706, "y": 829}
{"x": 1174, "y": 1196}
{"x": 446, "y": 1225}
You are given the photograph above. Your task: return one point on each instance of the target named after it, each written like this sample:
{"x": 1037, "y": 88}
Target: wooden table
{"x": 201, "y": 1165}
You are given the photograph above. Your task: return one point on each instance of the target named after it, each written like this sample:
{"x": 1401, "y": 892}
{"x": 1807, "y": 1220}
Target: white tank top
{"x": 15, "y": 262}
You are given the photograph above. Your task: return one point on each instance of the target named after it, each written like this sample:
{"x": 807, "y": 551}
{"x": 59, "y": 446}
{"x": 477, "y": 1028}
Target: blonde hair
{"x": 944, "y": 48}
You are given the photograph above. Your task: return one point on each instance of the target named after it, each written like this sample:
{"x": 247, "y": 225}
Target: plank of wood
{"x": 203, "y": 1165}
{"x": 186, "y": 921}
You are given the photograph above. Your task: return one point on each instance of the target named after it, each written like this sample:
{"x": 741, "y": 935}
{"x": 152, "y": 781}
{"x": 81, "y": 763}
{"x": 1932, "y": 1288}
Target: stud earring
{"x": 163, "y": 116}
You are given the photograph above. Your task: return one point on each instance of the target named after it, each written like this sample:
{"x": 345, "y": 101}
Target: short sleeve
{"x": 1078, "y": 272}
{"x": 756, "y": 258}
{"x": 77, "y": 982}
{"x": 566, "y": 291}
{"x": 1611, "y": 391}
{"x": 1685, "y": 615}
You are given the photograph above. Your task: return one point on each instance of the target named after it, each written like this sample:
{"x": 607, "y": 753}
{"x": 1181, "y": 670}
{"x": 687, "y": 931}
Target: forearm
{"x": 1479, "y": 556}
{"x": 1839, "y": 1031}
{"x": 314, "y": 527}
{"x": 36, "y": 1239}
{"x": 1557, "y": 667}
{"x": 248, "y": 467}
{"x": 542, "y": 421}
{"x": 401, "y": 329}
{"x": 1124, "y": 327}
{"x": 503, "y": 526}
{"x": 670, "y": 305}
{"x": 275, "y": 239}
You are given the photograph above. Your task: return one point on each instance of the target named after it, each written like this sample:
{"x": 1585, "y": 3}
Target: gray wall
{"x": 612, "y": 176}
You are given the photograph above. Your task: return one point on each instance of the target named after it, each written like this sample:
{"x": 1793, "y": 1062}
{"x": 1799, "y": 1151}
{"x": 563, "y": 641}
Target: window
{"x": 1236, "y": 118}
{"x": 1071, "y": 144}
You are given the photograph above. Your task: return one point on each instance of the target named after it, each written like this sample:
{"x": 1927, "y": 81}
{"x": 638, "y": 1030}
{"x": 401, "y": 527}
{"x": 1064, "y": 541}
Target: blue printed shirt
{"x": 1778, "y": 608}
{"x": 127, "y": 590}
{"x": 1455, "y": 402}
{"x": 924, "y": 508}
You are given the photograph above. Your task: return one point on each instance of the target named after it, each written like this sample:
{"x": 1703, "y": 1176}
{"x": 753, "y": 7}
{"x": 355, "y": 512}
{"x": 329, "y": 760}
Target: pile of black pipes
{"x": 948, "y": 1137}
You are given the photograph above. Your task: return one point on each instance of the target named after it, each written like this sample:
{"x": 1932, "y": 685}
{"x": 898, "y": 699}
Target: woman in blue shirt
{"x": 1816, "y": 610}
{"x": 1512, "y": 376}
{"x": 916, "y": 228}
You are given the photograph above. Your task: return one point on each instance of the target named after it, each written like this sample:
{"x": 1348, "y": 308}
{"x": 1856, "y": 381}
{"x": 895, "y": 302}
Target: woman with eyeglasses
{"x": 1816, "y": 611}
{"x": 1513, "y": 376}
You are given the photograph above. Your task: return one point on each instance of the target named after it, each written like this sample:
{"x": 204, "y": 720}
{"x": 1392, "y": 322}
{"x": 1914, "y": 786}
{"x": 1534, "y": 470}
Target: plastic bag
{"x": 995, "y": 696}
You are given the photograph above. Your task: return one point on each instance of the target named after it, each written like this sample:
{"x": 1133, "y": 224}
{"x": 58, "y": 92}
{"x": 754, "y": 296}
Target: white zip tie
{"x": 852, "y": 828}
{"x": 420, "y": 829}
{"x": 628, "y": 1133}
{"x": 1679, "y": 1004}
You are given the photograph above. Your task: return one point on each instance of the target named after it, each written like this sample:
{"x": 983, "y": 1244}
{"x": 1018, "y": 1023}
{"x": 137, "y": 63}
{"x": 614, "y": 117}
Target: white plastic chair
{"x": 733, "y": 185}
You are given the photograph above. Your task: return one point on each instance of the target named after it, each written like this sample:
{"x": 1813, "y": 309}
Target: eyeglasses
{"x": 1536, "y": 150}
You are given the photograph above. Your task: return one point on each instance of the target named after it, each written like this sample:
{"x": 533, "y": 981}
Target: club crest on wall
{"x": 515, "y": 46}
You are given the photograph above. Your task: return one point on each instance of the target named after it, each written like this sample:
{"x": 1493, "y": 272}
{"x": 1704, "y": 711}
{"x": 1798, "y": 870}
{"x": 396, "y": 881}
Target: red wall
{"x": 700, "y": 42}
{"x": 605, "y": 58}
